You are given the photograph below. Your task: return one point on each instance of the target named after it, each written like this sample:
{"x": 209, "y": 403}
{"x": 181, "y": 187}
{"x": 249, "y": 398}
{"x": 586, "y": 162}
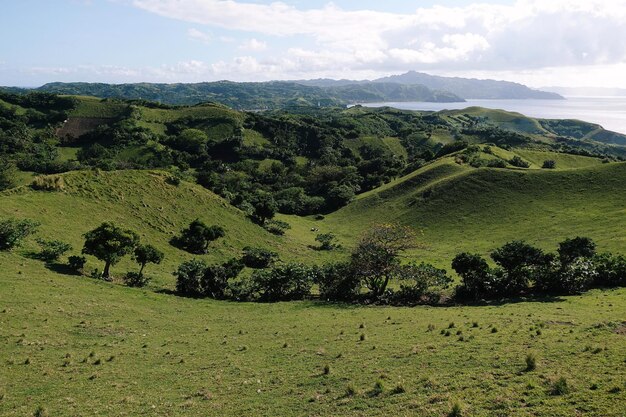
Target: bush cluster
{"x": 525, "y": 270}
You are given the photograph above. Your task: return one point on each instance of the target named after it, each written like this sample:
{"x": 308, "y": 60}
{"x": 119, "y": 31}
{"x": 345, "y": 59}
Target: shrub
{"x": 531, "y": 362}
{"x": 197, "y": 237}
{"x": 496, "y": 163}
{"x": 516, "y": 161}
{"x": 456, "y": 411}
{"x": 549, "y": 164}
{"x": 52, "y": 250}
{"x": 76, "y": 263}
{"x": 327, "y": 241}
{"x": 136, "y": 279}
{"x": 284, "y": 282}
{"x": 571, "y": 278}
{"x": 13, "y": 232}
{"x": 418, "y": 279}
{"x": 215, "y": 280}
{"x": 48, "y": 183}
{"x": 258, "y": 258}
{"x": 560, "y": 387}
{"x": 611, "y": 270}
{"x": 338, "y": 282}
{"x": 276, "y": 227}
{"x": 189, "y": 276}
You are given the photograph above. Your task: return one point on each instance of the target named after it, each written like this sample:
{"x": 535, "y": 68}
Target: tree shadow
{"x": 62, "y": 269}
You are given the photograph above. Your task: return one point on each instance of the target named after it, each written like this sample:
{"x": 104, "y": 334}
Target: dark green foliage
{"x": 52, "y": 250}
{"x": 416, "y": 280}
{"x": 189, "y": 276}
{"x": 13, "y": 232}
{"x": 456, "y": 411}
{"x": 565, "y": 279}
{"x": 197, "y": 237}
{"x": 276, "y": 227}
{"x": 327, "y": 241}
{"x": 338, "y": 282}
{"x": 109, "y": 243}
{"x": 136, "y": 279}
{"x": 265, "y": 207}
{"x": 518, "y": 260}
{"x": 284, "y": 282}
{"x": 560, "y": 387}
{"x": 215, "y": 281}
{"x": 549, "y": 164}
{"x": 610, "y": 269}
{"x": 258, "y": 258}
{"x": 8, "y": 175}
{"x": 145, "y": 254}
{"x": 531, "y": 362}
{"x": 76, "y": 263}
{"x": 477, "y": 279}
{"x": 516, "y": 161}
{"x": 578, "y": 247}
{"x": 450, "y": 148}
{"x": 496, "y": 163}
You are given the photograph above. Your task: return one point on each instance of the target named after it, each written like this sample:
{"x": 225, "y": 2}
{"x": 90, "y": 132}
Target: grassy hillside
{"x": 463, "y": 209}
{"x": 145, "y": 202}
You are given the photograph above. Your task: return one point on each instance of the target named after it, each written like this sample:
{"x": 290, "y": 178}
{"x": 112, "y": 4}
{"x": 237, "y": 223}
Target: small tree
{"x": 215, "y": 281}
{"x": 145, "y": 254}
{"x": 197, "y": 237}
{"x": 477, "y": 278}
{"x": 109, "y": 243}
{"x": 52, "y": 250}
{"x": 418, "y": 279}
{"x": 518, "y": 259}
{"x": 549, "y": 164}
{"x": 338, "y": 282}
{"x": 13, "y": 231}
{"x": 284, "y": 282}
{"x": 376, "y": 258}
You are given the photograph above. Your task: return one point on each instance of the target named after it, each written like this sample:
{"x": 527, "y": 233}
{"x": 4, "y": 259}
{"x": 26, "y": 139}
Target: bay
{"x": 609, "y": 112}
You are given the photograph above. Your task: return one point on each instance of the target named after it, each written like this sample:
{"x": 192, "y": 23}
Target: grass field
{"x": 76, "y": 346}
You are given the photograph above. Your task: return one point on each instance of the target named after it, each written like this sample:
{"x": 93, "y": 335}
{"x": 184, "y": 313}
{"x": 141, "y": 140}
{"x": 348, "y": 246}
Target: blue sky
{"x": 571, "y": 42}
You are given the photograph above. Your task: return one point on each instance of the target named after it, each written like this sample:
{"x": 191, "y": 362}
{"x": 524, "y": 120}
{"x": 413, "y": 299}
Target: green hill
{"x": 145, "y": 202}
{"x": 463, "y": 209}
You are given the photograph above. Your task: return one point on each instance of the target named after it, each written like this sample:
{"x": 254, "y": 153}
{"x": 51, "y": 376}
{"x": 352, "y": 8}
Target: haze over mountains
{"x": 587, "y": 91}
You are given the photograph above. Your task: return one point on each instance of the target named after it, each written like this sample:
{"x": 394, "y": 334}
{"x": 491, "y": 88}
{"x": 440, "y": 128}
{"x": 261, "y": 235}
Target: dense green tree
{"x": 145, "y": 254}
{"x": 258, "y": 258}
{"x": 578, "y": 247}
{"x": 52, "y": 250}
{"x": 518, "y": 259}
{"x": 109, "y": 243}
{"x": 264, "y": 207}
{"x": 198, "y": 236}
{"x": 284, "y": 282}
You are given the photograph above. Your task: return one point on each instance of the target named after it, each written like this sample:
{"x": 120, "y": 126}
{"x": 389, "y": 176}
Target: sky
{"x": 535, "y": 42}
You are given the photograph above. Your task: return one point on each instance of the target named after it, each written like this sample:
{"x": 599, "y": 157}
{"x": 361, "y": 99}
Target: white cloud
{"x": 253, "y": 45}
{"x": 198, "y": 35}
{"x": 480, "y": 36}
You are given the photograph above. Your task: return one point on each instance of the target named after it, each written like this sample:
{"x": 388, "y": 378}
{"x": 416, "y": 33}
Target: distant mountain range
{"x": 587, "y": 91}
{"x": 467, "y": 88}
{"x": 412, "y": 86}
{"x": 257, "y": 96}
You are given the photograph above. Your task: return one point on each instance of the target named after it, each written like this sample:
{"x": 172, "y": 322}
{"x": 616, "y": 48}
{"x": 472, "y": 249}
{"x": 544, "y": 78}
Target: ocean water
{"x": 609, "y": 112}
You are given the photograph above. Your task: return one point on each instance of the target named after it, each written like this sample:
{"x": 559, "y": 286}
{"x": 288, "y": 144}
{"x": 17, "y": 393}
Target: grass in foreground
{"x": 75, "y": 346}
